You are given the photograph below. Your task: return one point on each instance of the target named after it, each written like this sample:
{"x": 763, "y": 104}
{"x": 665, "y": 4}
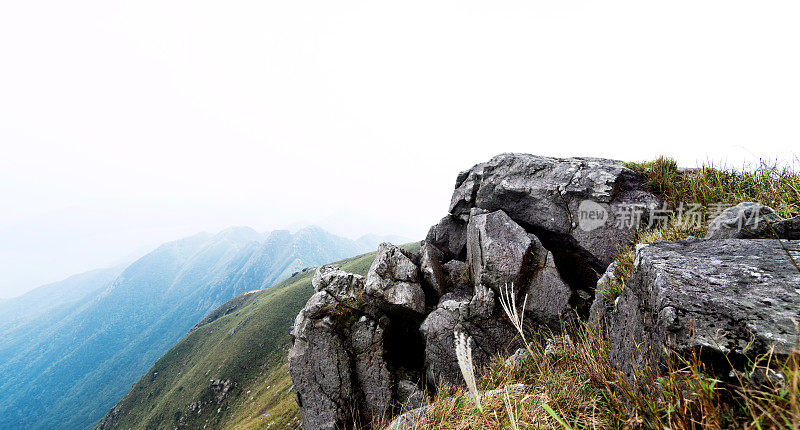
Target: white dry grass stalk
{"x": 510, "y": 410}
{"x": 508, "y": 300}
{"x": 464, "y": 355}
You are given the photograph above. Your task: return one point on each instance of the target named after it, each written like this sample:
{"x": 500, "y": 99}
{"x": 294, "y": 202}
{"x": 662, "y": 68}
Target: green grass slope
{"x": 244, "y": 341}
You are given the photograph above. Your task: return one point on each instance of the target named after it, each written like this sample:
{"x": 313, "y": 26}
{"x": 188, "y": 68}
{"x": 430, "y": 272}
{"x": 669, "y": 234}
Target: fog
{"x": 124, "y": 124}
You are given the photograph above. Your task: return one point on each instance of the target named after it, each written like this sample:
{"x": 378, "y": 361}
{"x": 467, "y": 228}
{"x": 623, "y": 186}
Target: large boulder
{"x": 498, "y": 250}
{"x": 730, "y": 299}
{"x": 338, "y": 359}
{"x": 375, "y": 380}
{"x": 583, "y": 209}
{"x": 450, "y": 236}
{"x": 393, "y": 282}
{"x": 321, "y": 370}
{"x": 474, "y": 315}
{"x": 744, "y": 221}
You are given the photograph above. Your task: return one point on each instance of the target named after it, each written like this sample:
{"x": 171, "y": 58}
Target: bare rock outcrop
{"x": 498, "y": 250}
{"x": 604, "y": 302}
{"x": 729, "y": 299}
{"x": 555, "y": 199}
{"x": 433, "y": 275}
{"x": 338, "y": 359}
{"x": 368, "y": 347}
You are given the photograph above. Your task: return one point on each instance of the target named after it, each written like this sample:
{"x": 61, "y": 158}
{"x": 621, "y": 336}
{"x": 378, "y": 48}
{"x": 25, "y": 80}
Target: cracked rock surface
{"x": 544, "y": 195}
{"x": 732, "y": 297}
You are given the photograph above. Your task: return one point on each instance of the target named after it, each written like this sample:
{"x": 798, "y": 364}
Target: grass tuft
{"x": 771, "y": 184}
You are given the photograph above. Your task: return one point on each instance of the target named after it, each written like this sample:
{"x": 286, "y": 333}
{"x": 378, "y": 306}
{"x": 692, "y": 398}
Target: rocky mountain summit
{"x": 366, "y": 348}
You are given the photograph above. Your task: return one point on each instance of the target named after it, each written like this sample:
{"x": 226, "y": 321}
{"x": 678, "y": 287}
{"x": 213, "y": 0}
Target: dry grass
{"x": 576, "y": 387}
{"x": 674, "y": 229}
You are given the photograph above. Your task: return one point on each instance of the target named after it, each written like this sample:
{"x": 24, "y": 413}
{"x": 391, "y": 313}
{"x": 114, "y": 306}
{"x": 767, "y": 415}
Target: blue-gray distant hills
{"x": 70, "y": 350}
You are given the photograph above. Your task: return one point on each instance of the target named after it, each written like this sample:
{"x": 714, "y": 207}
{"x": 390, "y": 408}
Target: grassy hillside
{"x": 71, "y": 350}
{"x": 245, "y": 341}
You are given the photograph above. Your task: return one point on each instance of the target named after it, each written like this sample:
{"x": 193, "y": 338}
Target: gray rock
{"x": 339, "y": 284}
{"x": 490, "y": 335}
{"x": 517, "y": 358}
{"x": 450, "y": 236}
{"x": 456, "y": 275}
{"x": 339, "y": 368}
{"x": 430, "y": 265}
{"x": 332, "y": 286}
{"x": 743, "y": 221}
{"x": 319, "y": 305}
{"x": 375, "y": 381}
{"x": 410, "y": 395}
{"x": 515, "y": 389}
{"x": 481, "y": 305}
{"x": 788, "y": 228}
{"x": 544, "y": 195}
{"x": 602, "y": 306}
{"x": 497, "y": 250}
{"x": 467, "y": 185}
{"x": 730, "y": 297}
{"x": 393, "y": 282}
{"x": 321, "y": 370}
{"x": 556, "y": 345}
{"x": 548, "y": 295}
{"x": 220, "y": 388}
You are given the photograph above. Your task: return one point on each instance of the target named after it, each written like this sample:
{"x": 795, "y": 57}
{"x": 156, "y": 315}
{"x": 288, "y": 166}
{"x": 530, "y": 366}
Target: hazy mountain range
{"x": 70, "y": 350}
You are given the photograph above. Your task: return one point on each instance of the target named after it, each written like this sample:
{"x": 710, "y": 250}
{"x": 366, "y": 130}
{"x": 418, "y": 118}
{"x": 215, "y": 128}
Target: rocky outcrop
{"x": 728, "y": 299}
{"x": 362, "y": 347}
{"x": 788, "y": 228}
{"x": 550, "y": 299}
{"x": 583, "y": 209}
{"x": 373, "y": 376}
{"x": 220, "y": 388}
{"x": 321, "y": 370}
{"x": 338, "y": 358}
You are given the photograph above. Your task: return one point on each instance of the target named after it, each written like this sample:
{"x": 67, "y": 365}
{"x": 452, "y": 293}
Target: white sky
{"x": 124, "y": 124}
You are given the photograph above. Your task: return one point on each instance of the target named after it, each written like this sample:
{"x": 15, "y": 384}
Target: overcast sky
{"x": 124, "y": 124}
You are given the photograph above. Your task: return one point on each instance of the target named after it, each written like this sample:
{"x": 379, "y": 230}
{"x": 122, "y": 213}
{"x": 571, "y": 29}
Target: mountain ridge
{"x": 67, "y": 368}
{"x": 244, "y": 342}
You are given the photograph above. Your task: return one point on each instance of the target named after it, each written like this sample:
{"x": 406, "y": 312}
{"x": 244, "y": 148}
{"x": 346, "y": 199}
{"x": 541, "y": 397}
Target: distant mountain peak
{"x": 115, "y": 327}
{"x": 240, "y": 234}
